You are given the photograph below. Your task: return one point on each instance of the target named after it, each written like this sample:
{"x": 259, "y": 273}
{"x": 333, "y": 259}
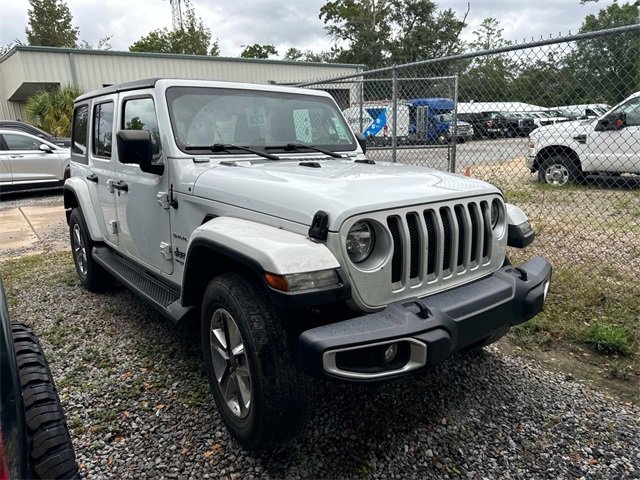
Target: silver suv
{"x": 255, "y": 209}
{"x": 28, "y": 162}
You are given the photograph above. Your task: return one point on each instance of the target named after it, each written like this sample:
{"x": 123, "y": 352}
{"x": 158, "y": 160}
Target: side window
{"x": 21, "y": 142}
{"x": 79, "y": 133}
{"x": 103, "y": 129}
{"x": 140, "y": 114}
{"x": 631, "y": 110}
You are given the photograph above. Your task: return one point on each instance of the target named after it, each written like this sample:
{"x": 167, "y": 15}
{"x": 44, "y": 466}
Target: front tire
{"x": 51, "y": 452}
{"x": 264, "y": 399}
{"x": 558, "y": 170}
{"x": 92, "y": 276}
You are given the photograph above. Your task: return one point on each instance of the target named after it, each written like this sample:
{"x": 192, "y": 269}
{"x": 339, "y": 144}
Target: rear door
{"x": 5, "y": 171}
{"x": 102, "y": 165}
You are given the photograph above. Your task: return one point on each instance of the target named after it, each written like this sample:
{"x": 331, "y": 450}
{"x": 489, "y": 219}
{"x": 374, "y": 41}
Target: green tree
{"x": 361, "y": 30}
{"x": 607, "y": 67}
{"x": 384, "y": 32}
{"x": 258, "y": 51}
{"x": 488, "y": 78}
{"x": 422, "y": 32}
{"x": 50, "y": 24}
{"x": 293, "y": 54}
{"x": 52, "y": 110}
{"x": 193, "y": 38}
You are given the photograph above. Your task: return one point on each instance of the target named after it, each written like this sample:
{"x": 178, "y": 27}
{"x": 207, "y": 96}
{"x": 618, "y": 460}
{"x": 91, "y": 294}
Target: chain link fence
{"x": 535, "y": 119}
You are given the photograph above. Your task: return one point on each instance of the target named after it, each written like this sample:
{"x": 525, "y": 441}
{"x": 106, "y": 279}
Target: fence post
{"x": 454, "y": 144}
{"x": 361, "y": 100}
{"x": 394, "y": 106}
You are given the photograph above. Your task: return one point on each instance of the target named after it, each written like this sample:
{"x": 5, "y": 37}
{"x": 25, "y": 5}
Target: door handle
{"x": 93, "y": 178}
{"x": 121, "y": 186}
{"x": 16, "y": 156}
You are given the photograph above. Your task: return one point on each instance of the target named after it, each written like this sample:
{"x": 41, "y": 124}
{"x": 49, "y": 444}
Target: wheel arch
{"x": 552, "y": 150}
{"x": 76, "y": 195}
{"x": 206, "y": 260}
{"x": 226, "y": 244}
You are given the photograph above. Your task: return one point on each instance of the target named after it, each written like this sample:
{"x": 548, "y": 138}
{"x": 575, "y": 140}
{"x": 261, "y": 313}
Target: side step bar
{"x": 159, "y": 295}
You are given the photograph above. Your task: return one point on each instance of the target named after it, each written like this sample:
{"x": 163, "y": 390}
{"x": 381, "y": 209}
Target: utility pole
{"x": 176, "y": 14}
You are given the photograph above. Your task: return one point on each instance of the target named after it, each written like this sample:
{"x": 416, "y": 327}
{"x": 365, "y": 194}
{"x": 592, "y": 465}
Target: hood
{"x": 562, "y": 129}
{"x": 342, "y": 188}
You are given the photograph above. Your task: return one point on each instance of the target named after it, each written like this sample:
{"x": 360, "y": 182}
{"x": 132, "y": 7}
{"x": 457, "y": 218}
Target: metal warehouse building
{"x": 25, "y": 70}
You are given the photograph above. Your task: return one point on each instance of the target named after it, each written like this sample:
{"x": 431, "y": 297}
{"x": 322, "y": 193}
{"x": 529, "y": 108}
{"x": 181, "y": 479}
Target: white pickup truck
{"x": 608, "y": 146}
{"x": 255, "y": 209}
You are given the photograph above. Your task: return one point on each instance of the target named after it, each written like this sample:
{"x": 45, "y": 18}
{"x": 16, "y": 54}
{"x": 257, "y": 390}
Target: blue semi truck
{"x": 420, "y": 120}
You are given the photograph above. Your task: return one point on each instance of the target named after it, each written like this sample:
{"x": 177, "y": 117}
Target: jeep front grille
{"x": 437, "y": 243}
{"x": 429, "y": 248}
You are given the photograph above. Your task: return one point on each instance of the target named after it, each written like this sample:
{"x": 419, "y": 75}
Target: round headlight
{"x": 360, "y": 241}
{"x": 495, "y": 213}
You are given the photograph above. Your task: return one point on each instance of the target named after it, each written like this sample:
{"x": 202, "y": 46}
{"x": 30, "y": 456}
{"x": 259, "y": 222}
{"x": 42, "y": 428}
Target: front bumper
{"x": 424, "y": 332}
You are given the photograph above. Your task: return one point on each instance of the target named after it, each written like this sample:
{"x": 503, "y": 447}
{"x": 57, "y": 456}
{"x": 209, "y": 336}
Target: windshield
{"x": 202, "y": 117}
{"x": 445, "y": 117}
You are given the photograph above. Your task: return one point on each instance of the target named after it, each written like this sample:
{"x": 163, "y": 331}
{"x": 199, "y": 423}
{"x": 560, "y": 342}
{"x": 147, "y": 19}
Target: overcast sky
{"x": 290, "y": 23}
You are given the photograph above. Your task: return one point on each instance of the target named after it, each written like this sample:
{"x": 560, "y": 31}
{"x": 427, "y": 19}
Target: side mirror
{"x": 45, "y": 148}
{"x": 362, "y": 140}
{"x": 134, "y": 147}
{"x": 614, "y": 121}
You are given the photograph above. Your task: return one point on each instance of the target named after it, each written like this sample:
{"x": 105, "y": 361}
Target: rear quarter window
{"x": 79, "y": 134}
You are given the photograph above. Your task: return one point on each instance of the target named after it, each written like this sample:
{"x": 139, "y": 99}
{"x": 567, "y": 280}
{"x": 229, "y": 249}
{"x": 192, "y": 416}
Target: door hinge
{"x": 165, "y": 249}
{"x": 113, "y": 226}
{"x": 163, "y": 200}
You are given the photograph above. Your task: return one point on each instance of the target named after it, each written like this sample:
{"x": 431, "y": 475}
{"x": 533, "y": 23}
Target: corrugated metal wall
{"x": 91, "y": 70}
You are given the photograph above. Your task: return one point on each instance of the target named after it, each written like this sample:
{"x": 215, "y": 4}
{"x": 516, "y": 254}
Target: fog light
{"x": 391, "y": 352}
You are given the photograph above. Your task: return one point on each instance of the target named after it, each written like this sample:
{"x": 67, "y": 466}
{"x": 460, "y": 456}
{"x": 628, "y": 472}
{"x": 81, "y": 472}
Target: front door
{"x": 143, "y": 213}
{"x": 617, "y": 150}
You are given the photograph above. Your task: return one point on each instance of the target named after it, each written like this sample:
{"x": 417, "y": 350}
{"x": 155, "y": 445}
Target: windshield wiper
{"x": 297, "y": 146}
{"x": 226, "y": 147}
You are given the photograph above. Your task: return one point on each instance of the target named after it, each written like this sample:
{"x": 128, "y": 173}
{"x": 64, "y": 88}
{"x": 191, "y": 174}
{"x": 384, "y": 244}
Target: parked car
{"x": 34, "y": 437}
{"x": 547, "y": 117}
{"x": 28, "y": 162}
{"x": 518, "y": 124}
{"x": 572, "y": 151}
{"x": 64, "y": 142}
{"x": 255, "y": 209}
{"x": 585, "y": 111}
{"x": 486, "y": 124}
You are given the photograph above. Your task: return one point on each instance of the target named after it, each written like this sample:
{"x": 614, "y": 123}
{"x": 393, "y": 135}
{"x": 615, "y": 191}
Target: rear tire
{"x": 558, "y": 170}
{"x": 263, "y": 397}
{"x": 92, "y": 276}
{"x": 51, "y": 452}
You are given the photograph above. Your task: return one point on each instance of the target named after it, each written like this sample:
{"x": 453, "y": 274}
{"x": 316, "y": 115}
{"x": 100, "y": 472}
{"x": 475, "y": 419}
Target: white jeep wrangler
{"x": 606, "y": 147}
{"x": 255, "y": 208}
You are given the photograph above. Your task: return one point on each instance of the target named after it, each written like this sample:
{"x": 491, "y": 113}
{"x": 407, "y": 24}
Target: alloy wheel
{"x": 230, "y": 363}
{"x": 79, "y": 250}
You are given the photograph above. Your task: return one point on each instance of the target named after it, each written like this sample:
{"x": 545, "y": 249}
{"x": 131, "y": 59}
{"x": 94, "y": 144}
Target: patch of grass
{"x": 601, "y": 311}
{"x": 610, "y": 338}
{"x": 519, "y": 196}
{"x": 47, "y": 268}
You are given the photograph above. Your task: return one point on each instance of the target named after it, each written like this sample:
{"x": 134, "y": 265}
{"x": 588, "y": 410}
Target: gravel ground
{"x": 139, "y": 406}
